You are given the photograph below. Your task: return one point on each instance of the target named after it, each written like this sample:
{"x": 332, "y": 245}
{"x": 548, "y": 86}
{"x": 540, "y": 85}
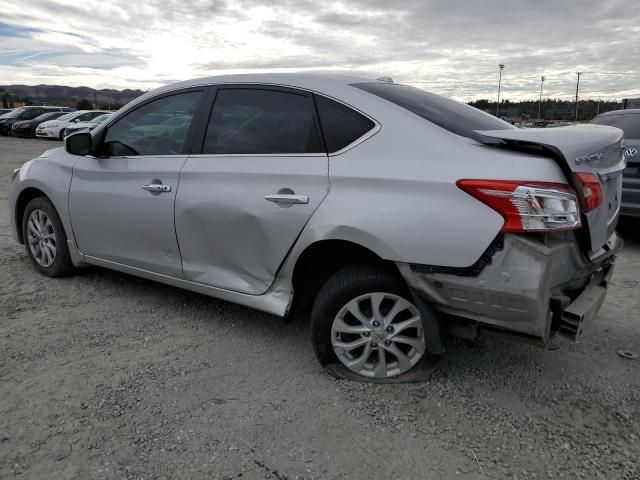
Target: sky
{"x": 450, "y": 47}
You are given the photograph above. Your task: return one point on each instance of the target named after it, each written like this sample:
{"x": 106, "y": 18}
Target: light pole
{"x": 577, "y": 87}
{"x": 540, "y": 101}
{"x": 499, "y": 83}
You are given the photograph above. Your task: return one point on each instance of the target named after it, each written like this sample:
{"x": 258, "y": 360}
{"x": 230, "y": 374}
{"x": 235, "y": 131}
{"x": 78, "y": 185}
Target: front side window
{"x": 261, "y": 121}
{"x": 453, "y": 116}
{"x": 159, "y": 127}
{"x": 340, "y": 124}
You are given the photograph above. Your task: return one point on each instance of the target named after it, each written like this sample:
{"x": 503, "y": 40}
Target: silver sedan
{"x": 388, "y": 215}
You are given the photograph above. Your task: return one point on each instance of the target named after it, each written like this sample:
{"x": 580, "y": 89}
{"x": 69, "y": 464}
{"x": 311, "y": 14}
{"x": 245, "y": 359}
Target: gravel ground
{"x": 107, "y": 376}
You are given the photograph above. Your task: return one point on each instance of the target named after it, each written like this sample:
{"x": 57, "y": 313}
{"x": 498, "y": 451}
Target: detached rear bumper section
{"x": 528, "y": 289}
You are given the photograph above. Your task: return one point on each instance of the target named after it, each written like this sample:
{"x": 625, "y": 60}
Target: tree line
{"x": 550, "y": 109}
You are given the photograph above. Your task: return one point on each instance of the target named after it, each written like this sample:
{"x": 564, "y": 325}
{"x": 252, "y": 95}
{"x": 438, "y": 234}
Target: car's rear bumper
{"x": 529, "y": 287}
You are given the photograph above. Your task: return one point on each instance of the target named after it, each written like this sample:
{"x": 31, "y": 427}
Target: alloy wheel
{"x": 378, "y": 335}
{"x": 42, "y": 238}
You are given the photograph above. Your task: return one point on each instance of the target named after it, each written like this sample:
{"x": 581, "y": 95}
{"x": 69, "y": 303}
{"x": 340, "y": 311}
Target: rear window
{"x": 453, "y": 116}
{"x": 610, "y": 120}
{"x": 632, "y": 126}
{"x": 340, "y": 124}
{"x": 629, "y": 123}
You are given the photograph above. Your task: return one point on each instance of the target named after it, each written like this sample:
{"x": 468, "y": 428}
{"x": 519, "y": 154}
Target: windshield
{"x": 453, "y": 116}
{"x": 67, "y": 116}
{"x": 15, "y": 113}
{"x": 101, "y": 118}
{"x": 47, "y": 116}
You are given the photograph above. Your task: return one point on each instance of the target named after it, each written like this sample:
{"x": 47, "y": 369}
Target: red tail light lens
{"x": 528, "y": 206}
{"x": 591, "y": 190}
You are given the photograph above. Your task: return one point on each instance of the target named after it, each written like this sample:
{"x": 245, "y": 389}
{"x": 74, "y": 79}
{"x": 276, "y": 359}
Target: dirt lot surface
{"x": 106, "y": 376}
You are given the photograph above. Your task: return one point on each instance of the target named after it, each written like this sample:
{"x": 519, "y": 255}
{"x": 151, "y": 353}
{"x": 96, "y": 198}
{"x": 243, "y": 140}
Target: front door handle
{"x": 287, "y": 198}
{"x": 157, "y": 188}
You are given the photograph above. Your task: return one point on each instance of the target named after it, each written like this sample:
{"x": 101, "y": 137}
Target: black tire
{"x": 62, "y": 264}
{"x": 342, "y": 287}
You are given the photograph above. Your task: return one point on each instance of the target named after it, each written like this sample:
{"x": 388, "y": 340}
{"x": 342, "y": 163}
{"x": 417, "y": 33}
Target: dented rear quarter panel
{"x": 396, "y": 193}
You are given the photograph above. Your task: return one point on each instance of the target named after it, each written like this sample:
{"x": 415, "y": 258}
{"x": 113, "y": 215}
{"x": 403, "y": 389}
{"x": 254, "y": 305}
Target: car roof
{"x": 301, "y": 80}
{"x": 620, "y": 112}
{"x": 322, "y": 82}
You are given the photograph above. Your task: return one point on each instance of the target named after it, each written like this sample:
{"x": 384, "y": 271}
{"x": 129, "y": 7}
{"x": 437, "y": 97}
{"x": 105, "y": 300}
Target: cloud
{"x": 452, "y": 48}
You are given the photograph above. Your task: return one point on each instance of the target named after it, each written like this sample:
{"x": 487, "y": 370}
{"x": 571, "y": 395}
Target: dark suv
{"x": 25, "y": 113}
{"x": 629, "y": 122}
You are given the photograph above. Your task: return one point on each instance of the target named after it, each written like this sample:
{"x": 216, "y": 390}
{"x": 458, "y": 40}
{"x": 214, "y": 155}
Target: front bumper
{"x": 529, "y": 287}
{"x": 46, "y": 133}
{"x": 22, "y": 132}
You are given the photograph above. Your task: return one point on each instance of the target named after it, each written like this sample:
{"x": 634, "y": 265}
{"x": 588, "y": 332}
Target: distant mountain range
{"x": 67, "y": 96}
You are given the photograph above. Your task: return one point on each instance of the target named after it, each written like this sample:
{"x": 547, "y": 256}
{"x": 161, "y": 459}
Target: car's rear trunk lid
{"x": 595, "y": 149}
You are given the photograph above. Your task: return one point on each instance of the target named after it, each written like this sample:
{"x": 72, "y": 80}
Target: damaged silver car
{"x": 389, "y": 215}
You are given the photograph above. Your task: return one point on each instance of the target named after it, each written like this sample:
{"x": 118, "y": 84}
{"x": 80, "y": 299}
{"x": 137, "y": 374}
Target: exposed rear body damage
{"x": 537, "y": 285}
{"x": 526, "y": 288}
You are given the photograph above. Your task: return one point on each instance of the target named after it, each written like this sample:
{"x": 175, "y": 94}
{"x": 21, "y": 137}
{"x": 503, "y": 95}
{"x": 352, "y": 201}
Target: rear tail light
{"x": 528, "y": 206}
{"x": 590, "y": 189}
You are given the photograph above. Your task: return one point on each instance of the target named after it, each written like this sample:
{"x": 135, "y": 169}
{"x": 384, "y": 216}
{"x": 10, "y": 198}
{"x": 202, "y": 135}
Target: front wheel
{"x": 364, "y": 319}
{"x": 45, "y": 239}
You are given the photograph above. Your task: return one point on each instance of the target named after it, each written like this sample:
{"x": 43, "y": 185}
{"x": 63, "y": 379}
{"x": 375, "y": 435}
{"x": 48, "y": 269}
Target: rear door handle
{"x": 287, "y": 198}
{"x": 157, "y": 188}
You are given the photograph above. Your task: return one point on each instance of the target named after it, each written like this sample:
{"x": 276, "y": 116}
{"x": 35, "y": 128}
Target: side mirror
{"x": 78, "y": 144}
{"x": 76, "y": 120}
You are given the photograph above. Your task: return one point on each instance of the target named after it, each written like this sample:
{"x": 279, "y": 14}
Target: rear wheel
{"x": 45, "y": 239}
{"x": 364, "y": 319}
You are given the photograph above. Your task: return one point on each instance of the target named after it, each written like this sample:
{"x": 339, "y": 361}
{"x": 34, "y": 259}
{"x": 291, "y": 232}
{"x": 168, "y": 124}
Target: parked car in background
{"x": 388, "y": 214}
{"x": 85, "y": 126}
{"x": 27, "y": 128}
{"x": 629, "y": 121}
{"x": 5, "y": 110}
{"x": 54, "y": 129}
{"x": 25, "y": 113}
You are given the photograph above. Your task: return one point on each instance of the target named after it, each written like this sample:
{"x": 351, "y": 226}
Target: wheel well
{"x": 24, "y": 198}
{"x": 320, "y": 261}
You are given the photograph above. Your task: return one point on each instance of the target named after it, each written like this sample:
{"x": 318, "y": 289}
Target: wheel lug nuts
{"x": 389, "y": 329}
{"x": 387, "y": 342}
{"x": 367, "y": 334}
{"x": 374, "y": 345}
{"x": 376, "y": 323}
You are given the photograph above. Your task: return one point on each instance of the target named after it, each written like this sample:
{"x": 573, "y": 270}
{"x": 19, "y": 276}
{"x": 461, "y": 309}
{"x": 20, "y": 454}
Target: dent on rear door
{"x": 230, "y": 236}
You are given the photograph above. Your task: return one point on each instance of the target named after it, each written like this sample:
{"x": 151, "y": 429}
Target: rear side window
{"x": 340, "y": 124}
{"x": 261, "y": 121}
{"x": 453, "y": 116}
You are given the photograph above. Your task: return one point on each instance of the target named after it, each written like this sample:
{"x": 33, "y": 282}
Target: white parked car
{"x": 55, "y": 128}
{"x": 84, "y": 126}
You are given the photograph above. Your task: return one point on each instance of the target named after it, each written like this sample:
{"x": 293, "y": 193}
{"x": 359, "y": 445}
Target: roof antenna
{"x": 385, "y": 79}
